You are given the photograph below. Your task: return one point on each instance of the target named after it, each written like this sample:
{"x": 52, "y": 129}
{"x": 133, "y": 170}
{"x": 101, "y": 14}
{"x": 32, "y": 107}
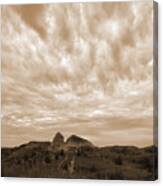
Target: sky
{"x": 77, "y": 68}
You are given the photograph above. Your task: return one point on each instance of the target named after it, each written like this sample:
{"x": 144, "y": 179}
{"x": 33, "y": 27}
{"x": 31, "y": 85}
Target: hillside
{"x": 79, "y": 158}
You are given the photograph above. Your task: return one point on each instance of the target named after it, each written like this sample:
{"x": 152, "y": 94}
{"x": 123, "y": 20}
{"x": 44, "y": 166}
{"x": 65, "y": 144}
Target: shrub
{"x": 118, "y": 160}
{"x": 47, "y": 159}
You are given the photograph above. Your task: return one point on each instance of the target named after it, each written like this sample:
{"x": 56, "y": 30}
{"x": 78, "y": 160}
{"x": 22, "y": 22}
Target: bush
{"x": 116, "y": 175}
{"x": 47, "y": 160}
{"x": 118, "y": 160}
{"x": 93, "y": 168}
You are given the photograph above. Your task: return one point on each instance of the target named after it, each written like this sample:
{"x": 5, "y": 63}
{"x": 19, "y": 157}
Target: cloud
{"x": 73, "y": 62}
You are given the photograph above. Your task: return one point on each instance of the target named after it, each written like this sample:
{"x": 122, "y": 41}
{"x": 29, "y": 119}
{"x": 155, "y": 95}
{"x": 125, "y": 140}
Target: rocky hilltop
{"x": 58, "y": 142}
{"x": 78, "y": 158}
{"x": 78, "y": 142}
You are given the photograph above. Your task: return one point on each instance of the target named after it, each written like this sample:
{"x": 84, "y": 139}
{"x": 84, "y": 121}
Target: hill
{"x": 79, "y": 158}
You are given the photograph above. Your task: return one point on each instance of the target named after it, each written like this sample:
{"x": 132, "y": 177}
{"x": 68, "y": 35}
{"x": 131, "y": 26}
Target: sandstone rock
{"x": 58, "y": 141}
{"x": 77, "y": 141}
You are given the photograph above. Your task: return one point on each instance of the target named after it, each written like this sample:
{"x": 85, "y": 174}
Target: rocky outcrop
{"x": 73, "y": 141}
{"x": 76, "y": 141}
{"x": 58, "y": 141}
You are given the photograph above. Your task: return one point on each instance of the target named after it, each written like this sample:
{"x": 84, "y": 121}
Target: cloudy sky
{"x": 81, "y": 68}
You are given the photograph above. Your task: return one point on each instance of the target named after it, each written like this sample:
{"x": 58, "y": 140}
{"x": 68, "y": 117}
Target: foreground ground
{"x": 40, "y": 159}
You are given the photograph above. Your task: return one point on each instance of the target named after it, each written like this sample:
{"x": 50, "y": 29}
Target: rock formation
{"x": 73, "y": 141}
{"x": 58, "y": 141}
{"x": 77, "y": 141}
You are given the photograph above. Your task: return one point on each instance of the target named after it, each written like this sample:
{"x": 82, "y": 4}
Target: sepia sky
{"x": 82, "y": 68}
